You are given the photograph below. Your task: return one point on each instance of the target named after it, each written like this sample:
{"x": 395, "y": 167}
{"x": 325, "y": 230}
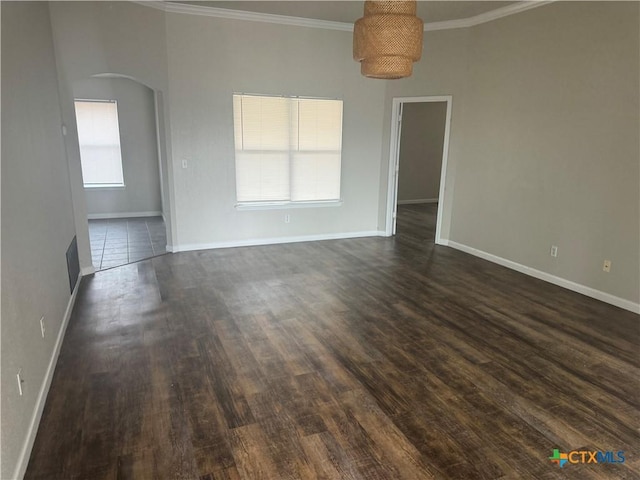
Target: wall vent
{"x": 73, "y": 263}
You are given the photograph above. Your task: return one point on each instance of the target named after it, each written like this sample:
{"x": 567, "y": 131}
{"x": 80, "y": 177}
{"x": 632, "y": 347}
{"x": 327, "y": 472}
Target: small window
{"x": 99, "y": 137}
{"x": 287, "y": 149}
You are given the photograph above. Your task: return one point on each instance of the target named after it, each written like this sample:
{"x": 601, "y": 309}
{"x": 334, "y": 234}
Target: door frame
{"x": 165, "y": 173}
{"x": 394, "y": 161}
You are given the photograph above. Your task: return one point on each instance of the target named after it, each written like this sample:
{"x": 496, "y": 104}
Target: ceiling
{"x": 349, "y": 11}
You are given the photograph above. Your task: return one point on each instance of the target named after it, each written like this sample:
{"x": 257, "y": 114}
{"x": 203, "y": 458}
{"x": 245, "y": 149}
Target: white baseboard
{"x": 107, "y": 216}
{"x": 25, "y": 453}
{"x": 273, "y": 241}
{"x": 84, "y": 271}
{"x": 417, "y": 200}
{"x": 547, "y": 277}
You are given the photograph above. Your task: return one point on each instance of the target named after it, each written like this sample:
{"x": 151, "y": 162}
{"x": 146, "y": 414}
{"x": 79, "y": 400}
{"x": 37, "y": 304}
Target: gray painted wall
{"x": 421, "y": 145}
{"x": 545, "y": 139}
{"x": 544, "y": 143}
{"x": 138, "y": 144}
{"x": 443, "y": 70}
{"x": 530, "y": 123}
{"x": 551, "y": 153}
{"x": 37, "y": 218}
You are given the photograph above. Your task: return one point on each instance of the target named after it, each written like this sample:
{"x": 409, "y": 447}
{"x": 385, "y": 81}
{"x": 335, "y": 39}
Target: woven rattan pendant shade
{"x": 388, "y": 39}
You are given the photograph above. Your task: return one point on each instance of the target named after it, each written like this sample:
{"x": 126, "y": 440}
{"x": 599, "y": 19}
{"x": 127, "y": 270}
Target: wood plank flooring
{"x": 371, "y": 358}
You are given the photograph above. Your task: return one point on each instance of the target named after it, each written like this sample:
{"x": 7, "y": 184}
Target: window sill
{"x": 105, "y": 187}
{"x": 286, "y": 205}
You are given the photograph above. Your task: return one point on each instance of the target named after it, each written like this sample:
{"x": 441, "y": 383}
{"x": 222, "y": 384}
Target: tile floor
{"x": 120, "y": 241}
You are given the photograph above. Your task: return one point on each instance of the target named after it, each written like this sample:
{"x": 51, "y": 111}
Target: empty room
{"x": 320, "y": 239}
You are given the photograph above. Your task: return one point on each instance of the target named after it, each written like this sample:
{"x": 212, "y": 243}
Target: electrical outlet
{"x": 20, "y": 381}
{"x": 606, "y": 266}
{"x": 42, "y": 329}
{"x": 554, "y": 250}
{"x": 287, "y": 218}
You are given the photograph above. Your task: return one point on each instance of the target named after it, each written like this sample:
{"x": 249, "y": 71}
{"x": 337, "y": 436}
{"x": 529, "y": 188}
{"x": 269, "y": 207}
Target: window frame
{"x": 101, "y": 186}
{"x": 287, "y": 204}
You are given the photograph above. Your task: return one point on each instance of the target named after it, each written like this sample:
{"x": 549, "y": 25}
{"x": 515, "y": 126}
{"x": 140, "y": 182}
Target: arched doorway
{"x": 123, "y": 169}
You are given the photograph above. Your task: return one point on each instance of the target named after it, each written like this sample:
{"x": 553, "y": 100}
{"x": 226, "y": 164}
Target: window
{"x": 287, "y": 149}
{"x": 99, "y": 137}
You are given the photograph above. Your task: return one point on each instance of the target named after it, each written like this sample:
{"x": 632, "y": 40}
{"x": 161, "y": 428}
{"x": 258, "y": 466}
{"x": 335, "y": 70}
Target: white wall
{"x": 37, "y": 219}
{"x": 110, "y": 37}
{"x": 120, "y": 38}
{"x": 138, "y": 144}
{"x": 209, "y": 59}
{"x": 421, "y": 146}
{"x": 197, "y": 63}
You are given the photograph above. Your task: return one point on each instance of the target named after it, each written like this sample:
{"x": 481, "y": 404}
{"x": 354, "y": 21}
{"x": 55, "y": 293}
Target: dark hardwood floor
{"x": 371, "y": 358}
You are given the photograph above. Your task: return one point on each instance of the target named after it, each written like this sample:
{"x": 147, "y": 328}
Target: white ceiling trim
{"x": 253, "y": 16}
{"x": 189, "y": 9}
{"x": 485, "y": 17}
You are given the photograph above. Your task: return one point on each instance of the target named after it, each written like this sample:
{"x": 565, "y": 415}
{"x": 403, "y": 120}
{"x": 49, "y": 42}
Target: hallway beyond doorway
{"x": 119, "y": 241}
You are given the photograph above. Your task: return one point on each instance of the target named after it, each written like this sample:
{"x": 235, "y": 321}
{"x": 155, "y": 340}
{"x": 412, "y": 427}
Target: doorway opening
{"x": 122, "y": 171}
{"x": 417, "y": 168}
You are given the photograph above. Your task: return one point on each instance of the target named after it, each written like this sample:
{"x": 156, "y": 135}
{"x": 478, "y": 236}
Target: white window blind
{"x": 99, "y": 137}
{"x": 287, "y": 149}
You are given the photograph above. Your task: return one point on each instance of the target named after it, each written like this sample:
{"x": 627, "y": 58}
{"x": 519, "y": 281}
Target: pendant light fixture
{"x": 388, "y": 39}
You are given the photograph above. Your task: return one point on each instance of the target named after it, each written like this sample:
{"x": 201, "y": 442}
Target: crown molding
{"x": 189, "y": 9}
{"x": 227, "y": 13}
{"x": 485, "y": 17}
